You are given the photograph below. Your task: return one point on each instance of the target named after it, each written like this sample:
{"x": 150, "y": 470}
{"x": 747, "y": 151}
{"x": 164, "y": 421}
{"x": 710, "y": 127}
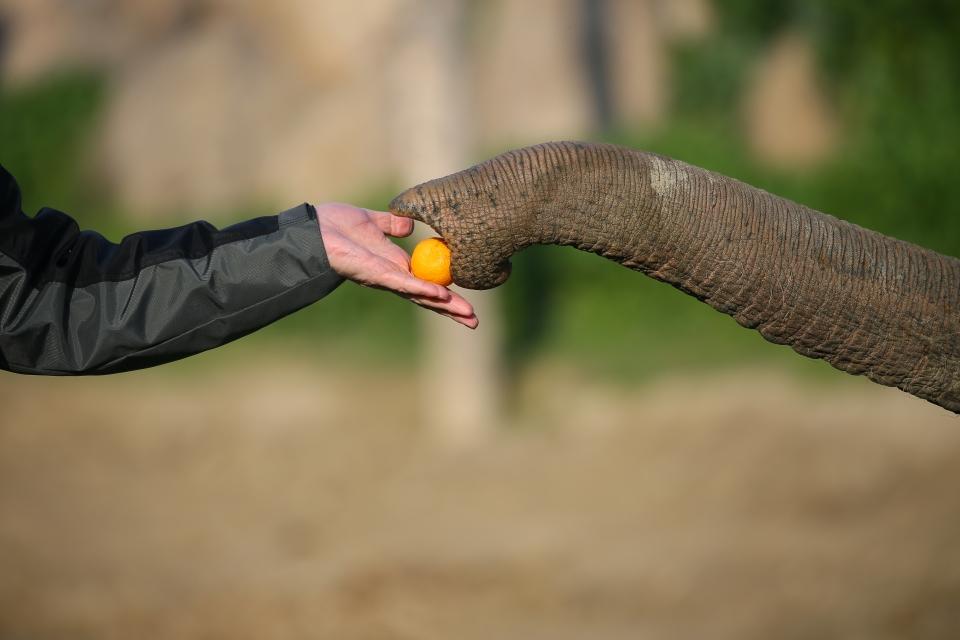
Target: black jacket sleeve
{"x": 72, "y": 302}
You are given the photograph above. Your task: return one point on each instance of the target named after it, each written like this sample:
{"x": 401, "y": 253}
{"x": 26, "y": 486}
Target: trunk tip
{"x": 401, "y": 206}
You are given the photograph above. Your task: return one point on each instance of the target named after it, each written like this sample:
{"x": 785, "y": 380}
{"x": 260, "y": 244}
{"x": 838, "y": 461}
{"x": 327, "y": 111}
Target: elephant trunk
{"x": 866, "y": 303}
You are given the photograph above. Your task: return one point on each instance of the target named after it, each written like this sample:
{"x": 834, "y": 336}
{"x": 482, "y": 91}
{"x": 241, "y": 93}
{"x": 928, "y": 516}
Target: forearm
{"x": 73, "y": 303}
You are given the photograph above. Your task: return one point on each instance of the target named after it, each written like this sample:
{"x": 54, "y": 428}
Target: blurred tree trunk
{"x": 595, "y": 38}
{"x": 461, "y": 396}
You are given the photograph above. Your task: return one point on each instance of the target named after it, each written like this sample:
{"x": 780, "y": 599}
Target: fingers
{"x": 455, "y": 305}
{"x": 470, "y": 323}
{"x": 389, "y": 269}
{"x": 460, "y": 309}
{"x": 408, "y": 285}
{"x": 456, "y": 308}
{"x": 468, "y": 319}
{"x": 390, "y": 224}
{"x": 430, "y": 296}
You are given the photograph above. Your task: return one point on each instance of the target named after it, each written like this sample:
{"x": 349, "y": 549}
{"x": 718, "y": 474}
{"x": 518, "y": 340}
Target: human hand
{"x": 359, "y": 250}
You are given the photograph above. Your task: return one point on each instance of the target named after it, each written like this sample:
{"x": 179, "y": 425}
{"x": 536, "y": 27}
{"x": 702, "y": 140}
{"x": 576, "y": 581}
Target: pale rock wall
{"x": 47, "y": 34}
{"x": 529, "y": 82}
{"x": 789, "y": 121}
{"x": 684, "y": 20}
{"x": 640, "y": 33}
{"x": 638, "y": 63}
{"x": 282, "y": 102}
{"x": 217, "y": 103}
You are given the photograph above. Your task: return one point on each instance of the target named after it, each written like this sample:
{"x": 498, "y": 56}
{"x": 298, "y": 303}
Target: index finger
{"x": 390, "y": 224}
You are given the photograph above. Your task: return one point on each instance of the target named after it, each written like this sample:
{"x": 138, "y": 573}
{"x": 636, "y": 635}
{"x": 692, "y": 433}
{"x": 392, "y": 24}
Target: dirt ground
{"x": 274, "y": 501}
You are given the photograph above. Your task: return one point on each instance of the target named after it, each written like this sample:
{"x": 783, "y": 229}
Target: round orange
{"x": 431, "y": 261}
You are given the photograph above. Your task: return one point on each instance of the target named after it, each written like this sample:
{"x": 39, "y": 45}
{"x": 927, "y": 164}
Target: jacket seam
{"x": 158, "y": 345}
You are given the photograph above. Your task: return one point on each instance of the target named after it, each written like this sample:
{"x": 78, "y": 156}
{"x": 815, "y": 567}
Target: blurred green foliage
{"x": 891, "y": 66}
{"x": 43, "y": 131}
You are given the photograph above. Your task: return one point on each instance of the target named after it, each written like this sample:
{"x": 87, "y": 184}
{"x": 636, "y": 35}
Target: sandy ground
{"x": 274, "y": 501}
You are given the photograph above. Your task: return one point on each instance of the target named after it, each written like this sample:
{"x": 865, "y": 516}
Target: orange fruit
{"x": 431, "y": 261}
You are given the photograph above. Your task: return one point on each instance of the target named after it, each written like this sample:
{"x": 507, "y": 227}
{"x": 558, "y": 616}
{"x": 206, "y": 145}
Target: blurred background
{"x": 603, "y": 458}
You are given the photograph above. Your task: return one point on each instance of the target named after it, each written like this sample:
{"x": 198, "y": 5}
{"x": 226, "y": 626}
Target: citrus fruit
{"x": 431, "y": 261}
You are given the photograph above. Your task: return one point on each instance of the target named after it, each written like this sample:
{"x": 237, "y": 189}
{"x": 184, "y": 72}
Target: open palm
{"x": 359, "y": 249}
